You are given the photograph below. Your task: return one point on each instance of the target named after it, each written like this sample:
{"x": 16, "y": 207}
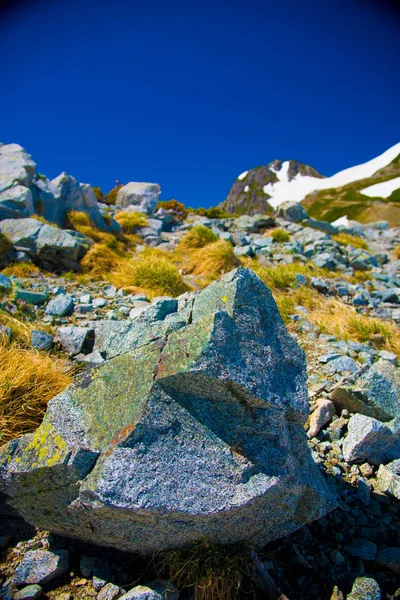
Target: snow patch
{"x": 246, "y": 188}
{"x": 382, "y": 190}
{"x": 242, "y": 175}
{"x": 302, "y": 185}
{"x": 341, "y": 222}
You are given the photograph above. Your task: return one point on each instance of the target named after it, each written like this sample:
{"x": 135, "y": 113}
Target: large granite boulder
{"x": 47, "y": 246}
{"x": 193, "y": 427}
{"x": 292, "y": 211}
{"x": 142, "y": 197}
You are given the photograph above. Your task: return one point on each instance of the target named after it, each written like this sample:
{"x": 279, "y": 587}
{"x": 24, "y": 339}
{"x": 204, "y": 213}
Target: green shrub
{"x": 198, "y": 237}
{"x": 111, "y": 197}
{"x": 280, "y": 236}
{"x": 178, "y": 207}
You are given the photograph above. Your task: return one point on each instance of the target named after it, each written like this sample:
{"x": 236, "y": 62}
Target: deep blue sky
{"x": 190, "y": 94}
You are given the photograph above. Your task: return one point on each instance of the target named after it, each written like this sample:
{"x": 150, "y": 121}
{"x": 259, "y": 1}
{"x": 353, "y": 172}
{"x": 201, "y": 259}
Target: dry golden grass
{"x": 28, "y": 380}
{"x": 346, "y": 239}
{"x": 213, "y": 260}
{"x": 130, "y": 221}
{"x": 22, "y": 269}
{"x": 197, "y": 237}
{"x": 100, "y": 260}
{"x": 280, "y": 236}
{"x": 281, "y": 277}
{"x": 5, "y": 244}
{"x": 20, "y": 331}
{"x": 214, "y": 572}
{"x": 150, "y": 271}
{"x": 119, "y": 243}
{"x": 397, "y": 251}
{"x": 45, "y": 221}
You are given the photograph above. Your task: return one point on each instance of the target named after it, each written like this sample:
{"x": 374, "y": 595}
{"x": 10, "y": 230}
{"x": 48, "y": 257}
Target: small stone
{"x": 344, "y": 364}
{"x": 30, "y": 592}
{"x": 41, "y": 340}
{"x": 61, "y": 306}
{"x": 85, "y": 299}
{"x": 75, "y": 339}
{"x": 365, "y": 588}
{"x": 5, "y": 333}
{"x": 389, "y": 356}
{"x": 83, "y": 309}
{"x": 110, "y": 592}
{"x": 30, "y": 297}
{"x": 41, "y": 566}
{"x": 366, "y": 470}
{"x": 99, "y": 302}
{"x": 390, "y": 559}
{"x": 154, "y": 591}
{"x": 5, "y": 283}
{"x": 322, "y": 415}
{"x": 388, "y": 478}
{"x": 362, "y": 548}
{"x": 369, "y": 440}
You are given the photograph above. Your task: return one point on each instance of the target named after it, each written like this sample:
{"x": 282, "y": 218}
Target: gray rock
{"x": 143, "y": 197}
{"x": 30, "y": 592}
{"x": 362, "y": 548}
{"x": 292, "y": 211}
{"x": 76, "y": 339}
{"x": 321, "y": 415}
{"x": 388, "y": 477}
{"x": 343, "y": 364}
{"x": 5, "y": 283}
{"x": 389, "y": 558}
{"x": 389, "y": 356}
{"x": 370, "y": 440}
{"x": 60, "y": 306}
{"x": 99, "y": 302}
{"x": 29, "y": 297}
{"x": 41, "y": 340}
{"x": 325, "y": 260}
{"x": 159, "y": 590}
{"x": 110, "y": 592}
{"x": 17, "y": 170}
{"x": 375, "y": 394}
{"x": 365, "y": 588}
{"x": 41, "y": 566}
{"x": 193, "y": 427}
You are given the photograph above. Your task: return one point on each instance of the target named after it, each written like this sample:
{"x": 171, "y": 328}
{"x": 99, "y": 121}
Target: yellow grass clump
{"x": 130, "y": 221}
{"x": 213, "y": 260}
{"x": 397, "y": 251}
{"x": 20, "y": 331}
{"x": 151, "y": 271}
{"x": 100, "y": 260}
{"x": 22, "y": 269}
{"x": 5, "y": 244}
{"x": 197, "y": 237}
{"x": 345, "y": 239}
{"x": 281, "y": 277}
{"x": 280, "y": 236}
{"x": 28, "y": 380}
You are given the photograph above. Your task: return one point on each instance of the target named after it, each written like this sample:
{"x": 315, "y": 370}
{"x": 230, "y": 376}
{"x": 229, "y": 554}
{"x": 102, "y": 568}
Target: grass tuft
{"x": 213, "y": 260}
{"x": 100, "y": 260}
{"x": 397, "y": 251}
{"x": 197, "y": 237}
{"x": 345, "y": 239}
{"x": 130, "y": 221}
{"x": 5, "y": 245}
{"x": 151, "y": 271}
{"x": 280, "y": 236}
{"x": 28, "y": 380}
{"x": 22, "y": 269}
{"x": 214, "y": 572}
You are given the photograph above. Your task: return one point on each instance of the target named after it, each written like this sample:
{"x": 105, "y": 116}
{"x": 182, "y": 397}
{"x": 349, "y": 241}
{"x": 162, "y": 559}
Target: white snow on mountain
{"x": 298, "y": 188}
{"x": 382, "y": 190}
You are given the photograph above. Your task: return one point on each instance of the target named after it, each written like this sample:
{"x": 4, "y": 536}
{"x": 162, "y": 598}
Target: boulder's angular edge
{"x": 192, "y": 428}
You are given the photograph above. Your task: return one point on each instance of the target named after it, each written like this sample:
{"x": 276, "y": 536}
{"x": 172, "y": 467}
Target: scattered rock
{"x": 365, "y": 588}
{"x": 388, "y": 477}
{"x": 60, "y": 306}
{"x": 370, "y": 440}
{"x": 154, "y": 591}
{"x": 30, "y": 592}
{"x": 41, "y": 566}
{"x": 389, "y": 558}
{"x": 41, "y": 340}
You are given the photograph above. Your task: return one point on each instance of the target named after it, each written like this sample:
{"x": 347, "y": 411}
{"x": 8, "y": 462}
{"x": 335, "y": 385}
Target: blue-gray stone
{"x": 159, "y": 590}
{"x": 41, "y": 340}
{"x": 29, "y": 297}
{"x": 193, "y": 427}
{"x": 362, "y": 548}
{"x": 60, "y": 306}
{"x": 5, "y": 283}
{"x": 343, "y": 364}
{"x": 75, "y": 339}
{"x": 5, "y": 332}
{"x": 30, "y": 592}
{"x": 389, "y": 558}
{"x": 370, "y": 440}
{"x": 41, "y": 566}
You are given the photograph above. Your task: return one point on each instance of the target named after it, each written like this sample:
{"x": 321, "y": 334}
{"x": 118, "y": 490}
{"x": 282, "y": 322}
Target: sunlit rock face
{"x": 192, "y": 427}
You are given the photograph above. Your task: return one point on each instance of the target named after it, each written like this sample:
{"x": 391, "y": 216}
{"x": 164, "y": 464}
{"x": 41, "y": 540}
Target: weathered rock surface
{"x": 193, "y": 427}
{"x": 389, "y": 478}
{"x": 365, "y": 588}
{"x": 370, "y": 440}
{"x": 158, "y": 590}
{"x": 50, "y": 247}
{"x": 41, "y": 566}
{"x": 142, "y": 197}
{"x": 375, "y": 394}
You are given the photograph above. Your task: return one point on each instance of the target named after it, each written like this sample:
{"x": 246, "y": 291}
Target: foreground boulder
{"x": 195, "y": 430}
{"x": 142, "y": 197}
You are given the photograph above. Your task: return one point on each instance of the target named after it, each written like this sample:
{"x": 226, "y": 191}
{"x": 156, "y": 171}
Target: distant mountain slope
{"x": 350, "y": 192}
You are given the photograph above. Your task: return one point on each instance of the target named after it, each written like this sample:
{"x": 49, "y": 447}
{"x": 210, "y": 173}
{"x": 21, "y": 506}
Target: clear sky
{"x": 190, "y": 94}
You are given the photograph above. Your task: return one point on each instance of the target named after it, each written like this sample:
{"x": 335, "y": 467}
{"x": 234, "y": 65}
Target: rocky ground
{"x": 352, "y": 349}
